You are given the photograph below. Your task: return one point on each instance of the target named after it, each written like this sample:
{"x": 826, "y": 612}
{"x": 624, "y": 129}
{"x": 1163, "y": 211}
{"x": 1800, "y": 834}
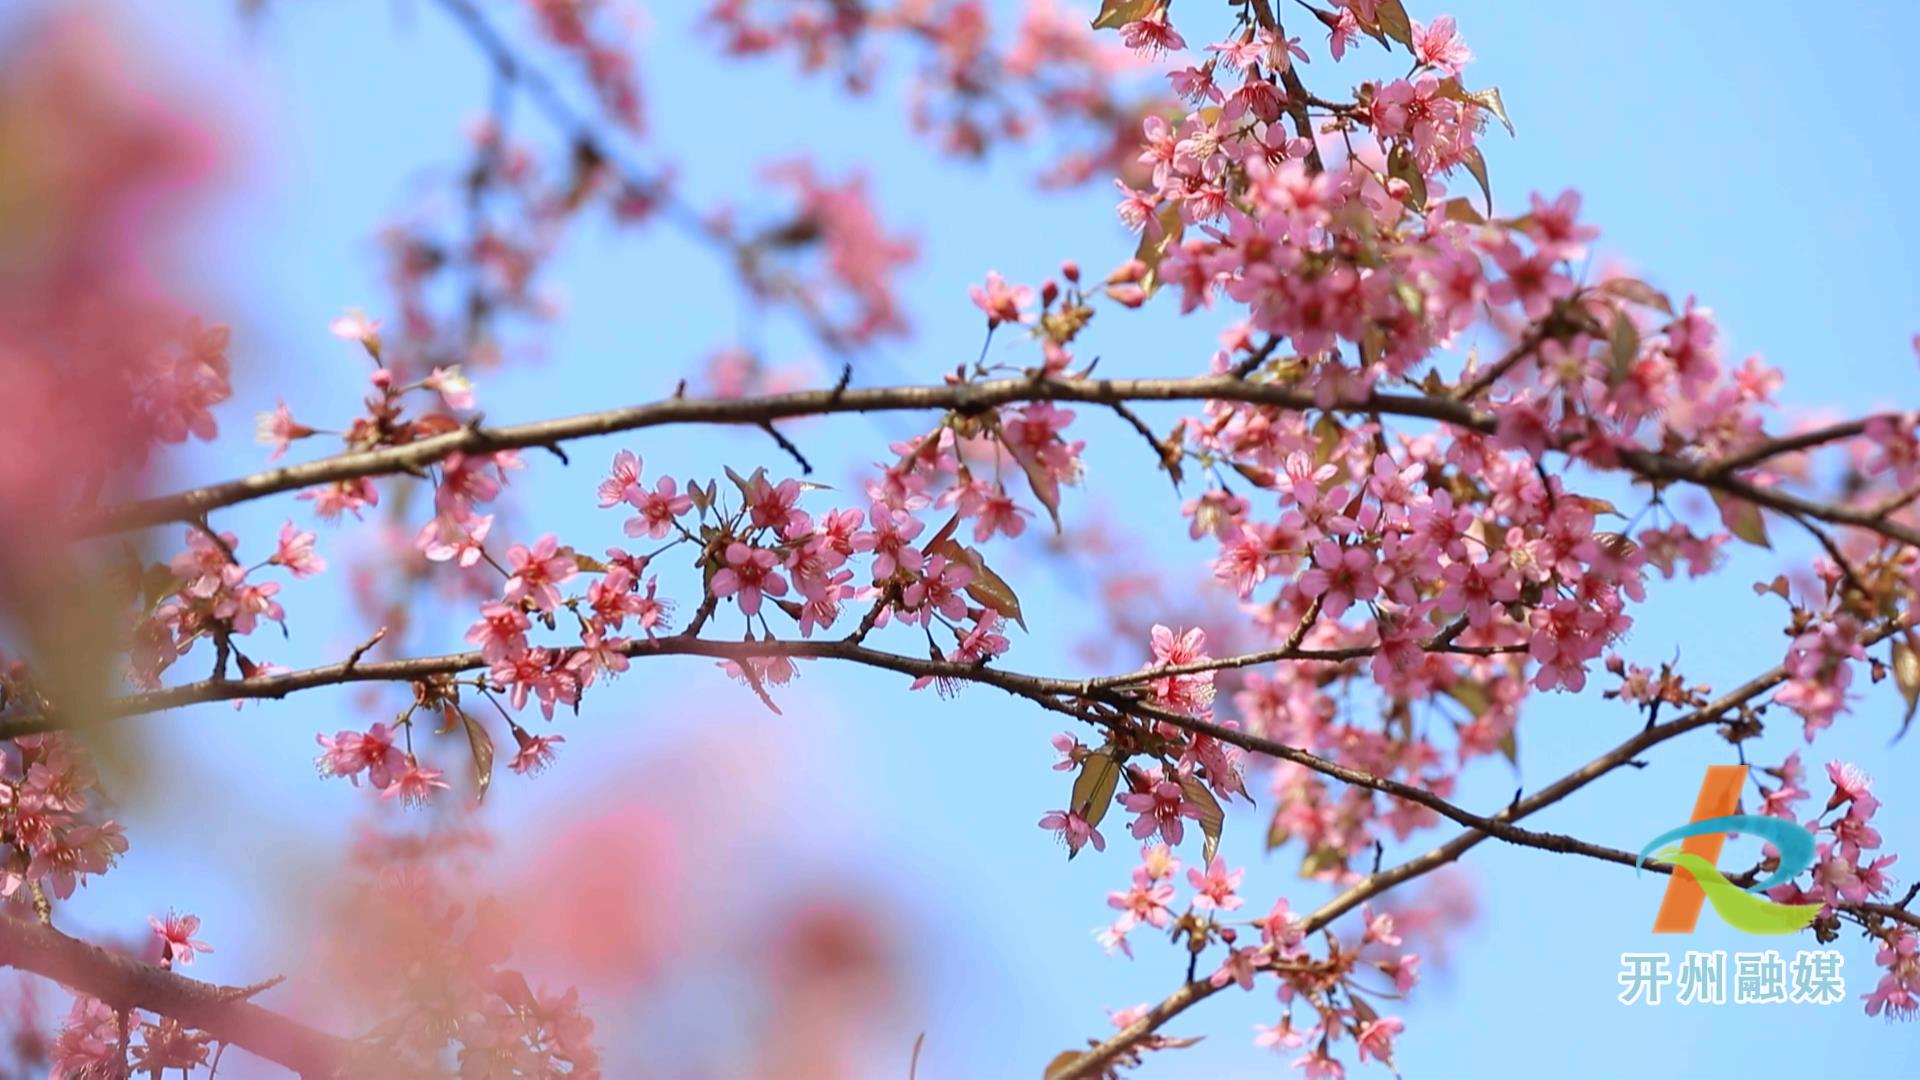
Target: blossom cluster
{"x": 57, "y": 835}
{"x": 1275, "y": 947}
{"x": 1847, "y": 872}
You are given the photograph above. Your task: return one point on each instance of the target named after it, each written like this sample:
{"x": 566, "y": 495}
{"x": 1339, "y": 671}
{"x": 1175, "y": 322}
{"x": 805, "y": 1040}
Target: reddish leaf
{"x": 1211, "y": 817}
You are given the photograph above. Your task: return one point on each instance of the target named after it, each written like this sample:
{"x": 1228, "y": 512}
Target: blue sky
{"x": 1750, "y": 154}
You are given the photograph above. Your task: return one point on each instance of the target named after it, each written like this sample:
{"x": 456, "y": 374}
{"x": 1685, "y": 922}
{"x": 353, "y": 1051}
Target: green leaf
{"x": 1400, "y": 166}
{"x": 1906, "y": 676}
{"x": 1510, "y": 748}
{"x": 1045, "y": 487}
{"x": 1476, "y": 164}
{"x": 481, "y": 744}
{"x": 1461, "y": 210}
{"x": 1277, "y": 834}
{"x": 1319, "y": 861}
{"x": 1471, "y": 694}
{"x": 1093, "y": 788}
{"x": 940, "y": 537}
{"x": 1061, "y": 1062}
{"x": 1742, "y": 518}
{"x": 1625, "y": 342}
{"x": 745, "y": 483}
{"x": 1393, "y": 22}
{"x": 1211, "y": 817}
{"x": 989, "y": 588}
{"x": 1155, "y": 243}
{"x": 1327, "y": 433}
{"x": 157, "y": 582}
{"x": 1489, "y": 99}
{"x": 1121, "y": 12}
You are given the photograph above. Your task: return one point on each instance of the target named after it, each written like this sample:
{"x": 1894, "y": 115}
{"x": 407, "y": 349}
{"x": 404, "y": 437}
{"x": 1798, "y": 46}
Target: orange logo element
{"x": 1719, "y": 797}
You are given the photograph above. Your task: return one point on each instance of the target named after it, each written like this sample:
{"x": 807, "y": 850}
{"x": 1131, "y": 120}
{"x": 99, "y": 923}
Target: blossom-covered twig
{"x": 1035, "y": 687}
{"x": 1095, "y": 1060}
{"x": 960, "y": 397}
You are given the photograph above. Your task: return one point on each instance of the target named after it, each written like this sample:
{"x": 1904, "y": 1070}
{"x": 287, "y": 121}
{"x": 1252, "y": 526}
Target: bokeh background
{"x": 1754, "y": 154}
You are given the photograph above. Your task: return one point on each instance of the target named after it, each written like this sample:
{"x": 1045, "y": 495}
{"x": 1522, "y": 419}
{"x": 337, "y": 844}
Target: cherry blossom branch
{"x": 1528, "y": 344}
{"x": 226, "y": 1013}
{"x": 1297, "y": 97}
{"x": 965, "y": 398}
{"x": 1096, "y": 1059}
{"x": 1291, "y": 650}
{"x": 1787, "y": 444}
{"x": 1043, "y": 689}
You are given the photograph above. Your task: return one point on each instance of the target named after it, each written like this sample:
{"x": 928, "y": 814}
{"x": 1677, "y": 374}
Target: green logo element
{"x": 1739, "y": 908}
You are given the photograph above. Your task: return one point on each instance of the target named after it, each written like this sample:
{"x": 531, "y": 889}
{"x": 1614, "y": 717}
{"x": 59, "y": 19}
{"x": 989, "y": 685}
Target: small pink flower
{"x": 751, "y": 573}
{"x": 658, "y": 508}
{"x": 1001, "y": 302}
{"x": 1849, "y": 783}
{"x": 1339, "y": 577}
{"x": 1152, "y": 35}
{"x": 351, "y": 752}
{"x": 1074, "y": 831}
{"x": 1379, "y": 929}
{"x": 442, "y": 540}
{"x": 1161, "y": 803}
{"x": 538, "y": 572}
{"x": 278, "y": 429}
{"x": 353, "y": 325}
{"x": 1375, "y": 1038}
{"x": 452, "y": 385}
{"x": 501, "y": 632}
{"x": 775, "y": 506}
{"x": 536, "y": 752}
{"x": 1439, "y": 46}
{"x": 1216, "y": 887}
{"x": 891, "y": 541}
{"x": 296, "y": 553}
{"x": 623, "y": 483}
{"x": 348, "y": 496}
{"x": 177, "y": 944}
{"x": 415, "y": 786}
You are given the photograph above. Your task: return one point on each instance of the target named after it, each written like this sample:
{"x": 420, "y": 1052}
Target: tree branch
{"x": 193, "y": 504}
{"x": 1042, "y": 689}
{"x": 1091, "y": 1063}
{"x": 124, "y": 983}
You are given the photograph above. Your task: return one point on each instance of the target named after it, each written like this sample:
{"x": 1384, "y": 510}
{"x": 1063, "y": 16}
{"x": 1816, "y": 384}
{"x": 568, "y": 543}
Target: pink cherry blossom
{"x": 295, "y": 552}
{"x": 415, "y": 785}
{"x": 1439, "y": 46}
{"x": 1001, "y": 302}
{"x": 538, "y": 572}
{"x": 177, "y": 943}
{"x": 749, "y": 573}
